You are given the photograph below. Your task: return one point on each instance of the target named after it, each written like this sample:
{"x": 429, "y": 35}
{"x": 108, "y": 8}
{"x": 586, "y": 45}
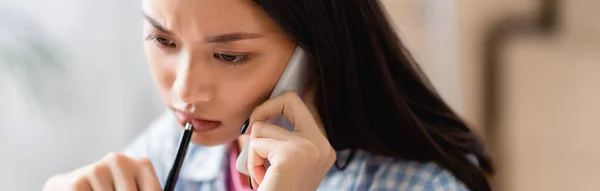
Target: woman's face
{"x": 213, "y": 61}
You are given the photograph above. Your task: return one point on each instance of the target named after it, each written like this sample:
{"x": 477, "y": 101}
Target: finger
{"x": 266, "y": 130}
{"x": 254, "y": 184}
{"x": 258, "y": 171}
{"x": 79, "y": 180}
{"x": 123, "y": 172}
{"x": 146, "y": 176}
{"x": 259, "y": 151}
{"x": 101, "y": 178}
{"x": 82, "y": 183}
{"x": 291, "y": 106}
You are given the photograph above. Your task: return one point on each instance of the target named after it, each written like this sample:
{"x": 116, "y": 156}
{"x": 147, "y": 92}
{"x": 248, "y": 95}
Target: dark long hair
{"x": 370, "y": 94}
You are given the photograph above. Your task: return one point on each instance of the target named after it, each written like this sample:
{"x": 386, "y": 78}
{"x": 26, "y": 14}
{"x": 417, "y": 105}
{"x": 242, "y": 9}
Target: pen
{"x": 174, "y": 173}
{"x": 242, "y": 131}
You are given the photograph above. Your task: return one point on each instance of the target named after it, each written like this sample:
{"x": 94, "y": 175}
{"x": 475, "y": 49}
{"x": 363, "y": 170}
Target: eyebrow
{"x": 232, "y": 37}
{"x": 156, "y": 25}
{"x": 221, "y": 39}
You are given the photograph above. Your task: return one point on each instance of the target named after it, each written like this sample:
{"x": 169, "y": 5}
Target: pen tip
{"x": 188, "y": 126}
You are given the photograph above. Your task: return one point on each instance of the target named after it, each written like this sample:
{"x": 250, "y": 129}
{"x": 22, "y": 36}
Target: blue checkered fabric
{"x": 205, "y": 167}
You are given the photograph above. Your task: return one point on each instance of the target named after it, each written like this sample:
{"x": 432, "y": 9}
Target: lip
{"x": 199, "y": 124}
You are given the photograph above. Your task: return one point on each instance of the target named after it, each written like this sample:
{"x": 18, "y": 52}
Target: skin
{"x": 223, "y": 91}
{"x": 219, "y": 60}
{"x": 188, "y": 63}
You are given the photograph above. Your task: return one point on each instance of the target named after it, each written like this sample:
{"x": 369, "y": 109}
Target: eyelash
{"x": 160, "y": 41}
{"x": 227, "y": 58}
{"x": 237, "y": 59}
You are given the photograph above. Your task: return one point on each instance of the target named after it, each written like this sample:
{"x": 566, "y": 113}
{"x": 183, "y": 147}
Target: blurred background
{"x": 525, "y": 73}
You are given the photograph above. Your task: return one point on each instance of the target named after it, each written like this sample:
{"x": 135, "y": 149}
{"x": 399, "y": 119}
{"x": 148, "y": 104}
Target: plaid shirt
{"x": 205, "y": 168}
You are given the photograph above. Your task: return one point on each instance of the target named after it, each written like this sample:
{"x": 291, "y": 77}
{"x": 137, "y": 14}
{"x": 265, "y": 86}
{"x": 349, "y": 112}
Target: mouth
{"x": 199, "y": 124}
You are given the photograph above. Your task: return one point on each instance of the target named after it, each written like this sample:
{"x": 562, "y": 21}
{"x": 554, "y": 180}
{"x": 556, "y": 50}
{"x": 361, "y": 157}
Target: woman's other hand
{"x": 113, "y": 172}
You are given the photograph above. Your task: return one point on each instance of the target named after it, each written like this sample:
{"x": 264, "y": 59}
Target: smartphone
{"x": 295, "y": 77}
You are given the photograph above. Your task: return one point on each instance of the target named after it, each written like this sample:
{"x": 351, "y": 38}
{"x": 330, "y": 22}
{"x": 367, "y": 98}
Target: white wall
{"x": 101, "y": 97}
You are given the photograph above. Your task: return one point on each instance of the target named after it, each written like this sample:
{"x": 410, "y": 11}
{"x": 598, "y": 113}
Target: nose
{"x": 194, "y": 80}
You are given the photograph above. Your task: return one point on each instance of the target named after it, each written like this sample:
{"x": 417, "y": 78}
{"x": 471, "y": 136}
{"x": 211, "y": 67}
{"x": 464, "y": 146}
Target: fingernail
{"x": 245, "y": 126}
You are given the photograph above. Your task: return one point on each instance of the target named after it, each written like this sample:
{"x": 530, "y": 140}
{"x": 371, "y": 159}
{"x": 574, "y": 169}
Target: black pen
{"x": 242, "y": 131}
{"x": 174, "y": 173}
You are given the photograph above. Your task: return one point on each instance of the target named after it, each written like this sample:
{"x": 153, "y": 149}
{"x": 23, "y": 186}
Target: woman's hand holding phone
{"x": 298, "y": 159}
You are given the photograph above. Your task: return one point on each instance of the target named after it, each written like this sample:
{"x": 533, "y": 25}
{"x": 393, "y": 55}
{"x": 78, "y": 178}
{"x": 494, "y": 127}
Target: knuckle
{"x": 97, "y": 171}
{"x": 333, "y": 154}
{"x": 116, "y": 159}
{"x": 257, "y": 112}
{"x": 311, "y": 150}
{"x": 111, "y": 156}
{"x": 292, "y": 96}
{"x": 144, "y": 163}
{"x": 332, "y": 157}
{"x": 297, "y": 153}
{"x": 79, "y": 183}
{"x": 130, "y": 188}
{"x": 257, "y": 127}
{"x": 314, "y": 158}
{"x": 258, "y": 108}
{"x": 53, "y": 183}
{"x": 311, "y": 147}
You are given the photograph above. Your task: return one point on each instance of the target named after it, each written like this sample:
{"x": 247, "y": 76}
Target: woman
{"x": 368, "y": 122}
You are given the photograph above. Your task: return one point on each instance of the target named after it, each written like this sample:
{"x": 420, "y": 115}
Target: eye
{"x": 233, "y": 59}
{"x": 165, "y": 42}
{"x": 161, "y": 41}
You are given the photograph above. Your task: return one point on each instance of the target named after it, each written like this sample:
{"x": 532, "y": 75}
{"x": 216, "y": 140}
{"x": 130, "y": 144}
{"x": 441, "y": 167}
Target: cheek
{"x": 162, "y": 72}
{"x": 244, "y": 92}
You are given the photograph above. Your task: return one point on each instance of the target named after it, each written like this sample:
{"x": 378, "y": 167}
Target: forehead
{"x": 196, "y": 19}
